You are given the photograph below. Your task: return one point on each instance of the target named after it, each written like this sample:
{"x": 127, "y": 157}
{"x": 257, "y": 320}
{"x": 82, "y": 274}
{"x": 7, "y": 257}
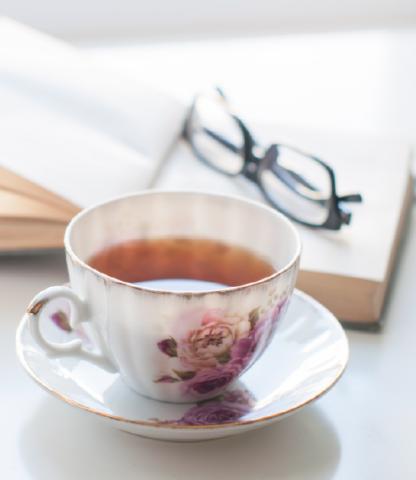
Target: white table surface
{"x": 363, "y": 428}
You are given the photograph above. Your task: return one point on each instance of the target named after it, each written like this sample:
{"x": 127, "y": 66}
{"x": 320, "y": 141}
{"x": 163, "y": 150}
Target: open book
{"x": 76, "y": 132}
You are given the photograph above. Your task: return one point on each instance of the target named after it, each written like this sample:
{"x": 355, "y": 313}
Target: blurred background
{"x": 346, "y": 65}
{"x": 95, "y": 19}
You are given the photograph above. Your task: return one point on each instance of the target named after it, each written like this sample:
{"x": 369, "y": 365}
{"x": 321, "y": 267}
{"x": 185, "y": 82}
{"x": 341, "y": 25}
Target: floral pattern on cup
{"x": 61, "y": 320}
{"x": 226, "y": 408}
{"x": 215, "y": 354}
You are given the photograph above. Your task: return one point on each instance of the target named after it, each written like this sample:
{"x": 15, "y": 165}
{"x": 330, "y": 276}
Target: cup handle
{"x": 79, "y": 314}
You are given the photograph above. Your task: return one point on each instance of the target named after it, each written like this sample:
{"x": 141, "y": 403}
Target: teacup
{"x": 160, "y": 341}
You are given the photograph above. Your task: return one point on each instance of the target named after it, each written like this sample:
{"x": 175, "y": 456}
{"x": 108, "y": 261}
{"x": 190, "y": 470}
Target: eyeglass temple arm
{"x": 220, "y": 139}
{"x": 287, "y": 176}
{"x": 352, "y": 198}
{"x": 290, "y": 177}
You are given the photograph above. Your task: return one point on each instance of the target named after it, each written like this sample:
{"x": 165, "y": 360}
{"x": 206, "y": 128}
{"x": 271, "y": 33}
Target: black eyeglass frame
{"x": 253, "y": 166}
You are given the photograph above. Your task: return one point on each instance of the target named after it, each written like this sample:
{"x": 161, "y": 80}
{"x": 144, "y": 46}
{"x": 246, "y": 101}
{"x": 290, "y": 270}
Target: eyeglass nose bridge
{"x": 250, "y": 169}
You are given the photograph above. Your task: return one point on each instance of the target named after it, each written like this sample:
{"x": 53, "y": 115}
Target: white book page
{"x": 76, "y": 126}
{"x": 375, "y": 167}
{"x": 76, "y": 162}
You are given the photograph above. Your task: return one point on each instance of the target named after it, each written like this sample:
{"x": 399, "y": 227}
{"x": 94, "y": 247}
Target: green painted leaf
{"x": 166, "y": 379}
{"x": 218, "y": 398}
{"x": 253, "y": 316}
{"x": 169, "y": 347}
{"x": 185, "y": 374}
{"x": 224, "y": 357}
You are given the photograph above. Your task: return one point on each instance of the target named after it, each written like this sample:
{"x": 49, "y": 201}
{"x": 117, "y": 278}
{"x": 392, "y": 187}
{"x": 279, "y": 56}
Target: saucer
{"x": 304, "y": 360}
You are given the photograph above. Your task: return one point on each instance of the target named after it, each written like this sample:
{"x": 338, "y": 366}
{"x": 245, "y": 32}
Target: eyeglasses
{"x": 298, "y": 184}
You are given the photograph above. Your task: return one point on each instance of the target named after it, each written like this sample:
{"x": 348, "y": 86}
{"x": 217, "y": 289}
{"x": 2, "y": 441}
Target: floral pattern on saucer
{"x": 226, "y": 408}
{"x": 216, "y": 353}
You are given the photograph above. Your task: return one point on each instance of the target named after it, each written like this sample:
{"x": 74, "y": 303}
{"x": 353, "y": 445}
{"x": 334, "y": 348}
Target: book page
{"x": 11, "y": 182}
{"x": 375, "y": 167}
{"x": 75, "y": 126}
{"x": 15, "y": 206}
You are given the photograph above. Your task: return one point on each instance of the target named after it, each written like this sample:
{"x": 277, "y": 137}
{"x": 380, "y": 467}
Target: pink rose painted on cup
{"x": 213, "y": 380}
{"x": 215, "y": 354}
{"x": 209, "y": 345}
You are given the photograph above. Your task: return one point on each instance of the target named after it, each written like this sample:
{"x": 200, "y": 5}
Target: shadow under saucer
{"x": 61, "y": 442}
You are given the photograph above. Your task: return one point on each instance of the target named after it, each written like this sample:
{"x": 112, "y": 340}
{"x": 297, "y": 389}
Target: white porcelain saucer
{"x": 306, "y": 358}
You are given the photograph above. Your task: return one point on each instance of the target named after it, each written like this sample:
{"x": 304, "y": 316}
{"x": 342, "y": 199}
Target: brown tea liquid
{"x": 181, "y": 264}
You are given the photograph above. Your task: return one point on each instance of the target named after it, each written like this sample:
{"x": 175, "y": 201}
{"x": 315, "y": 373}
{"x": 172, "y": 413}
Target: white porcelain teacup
{"x": 159, "y": 341}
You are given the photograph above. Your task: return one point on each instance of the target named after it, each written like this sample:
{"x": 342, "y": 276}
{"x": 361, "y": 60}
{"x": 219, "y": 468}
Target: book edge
{"x": 364, "y": 299}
